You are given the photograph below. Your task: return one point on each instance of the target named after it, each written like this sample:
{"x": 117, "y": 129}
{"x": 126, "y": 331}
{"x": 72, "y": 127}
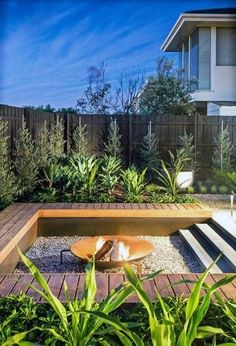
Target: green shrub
{"x": 42, "y": 143}
{"x": 8, "y": 184}
{"x": 25, "y": 161}
{"x": 49, "y": 195}
{"x": 166, "y": 198}
{"x": 213, "y": 189}
{"x": 153, "y": 188}
{"x": 109, "y": 173}
{"x": 191, "y": 189}
{"x": 223, "y": 189}
{"x": 56, "y": 141}
{"x": 133, "y": 184}
{"x": 80, "y": 142}
{"x": 187, "y": 146}
{"x": 150, "y": 154}
{"x": 52, "y": 174}
{"x": 223, "y": 150}
{"x": 113, "y": 145}
{"x": 202, "y": 188}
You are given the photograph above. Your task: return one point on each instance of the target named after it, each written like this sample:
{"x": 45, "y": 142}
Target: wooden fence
{"x": 168, "y": 128}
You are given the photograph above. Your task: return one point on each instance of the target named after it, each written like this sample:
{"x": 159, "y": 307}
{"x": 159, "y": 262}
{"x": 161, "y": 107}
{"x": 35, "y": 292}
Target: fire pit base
{"x": 137, "y": 249}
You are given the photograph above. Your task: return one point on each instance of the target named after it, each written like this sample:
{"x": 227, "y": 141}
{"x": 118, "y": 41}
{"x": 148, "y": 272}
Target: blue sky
{"x": 47, "y": 46}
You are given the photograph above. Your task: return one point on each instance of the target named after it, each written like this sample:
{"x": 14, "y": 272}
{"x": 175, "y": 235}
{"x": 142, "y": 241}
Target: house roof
{"x": 189, "y": 20}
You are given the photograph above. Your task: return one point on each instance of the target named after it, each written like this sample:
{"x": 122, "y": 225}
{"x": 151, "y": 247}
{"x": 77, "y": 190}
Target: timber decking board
{"x": 163, "y": 283}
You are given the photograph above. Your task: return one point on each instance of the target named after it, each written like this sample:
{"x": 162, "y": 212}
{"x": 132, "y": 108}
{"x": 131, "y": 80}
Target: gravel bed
{"x": 215, "y": 201}
{"x": 170, "y": 254}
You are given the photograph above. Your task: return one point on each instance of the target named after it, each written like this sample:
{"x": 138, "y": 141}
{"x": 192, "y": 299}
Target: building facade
{"x": 206, "y": 43}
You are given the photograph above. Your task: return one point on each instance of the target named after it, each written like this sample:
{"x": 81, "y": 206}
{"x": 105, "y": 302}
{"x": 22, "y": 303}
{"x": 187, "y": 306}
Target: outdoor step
{"x": 200, "y": 252}
{"x": 219, "y": 243}
{"x": 227, "y": 226}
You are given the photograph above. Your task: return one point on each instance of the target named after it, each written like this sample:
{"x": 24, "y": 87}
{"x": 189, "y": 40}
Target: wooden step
{"x": 199, "y": 251}
{"x": 219, "y": 243}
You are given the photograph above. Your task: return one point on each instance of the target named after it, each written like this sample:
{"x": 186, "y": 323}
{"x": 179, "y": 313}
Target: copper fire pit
{"x": 137, "y": 249}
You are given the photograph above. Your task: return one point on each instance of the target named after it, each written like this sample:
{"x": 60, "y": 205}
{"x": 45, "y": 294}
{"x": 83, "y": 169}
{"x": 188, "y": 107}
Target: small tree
{"x": 25, "y": 161}
{"x": 80, "y": 142}
{"x": 223, "y": 150}
{"x": 8, "y": 186}
{"x": 167, "y": 92}
{"x": 150, "y": 152}
{"x": 56, "y": 141}
{"x": 113, "y": 145}
{"x": 187, "y": 146}
{"x": 42, "y": 145}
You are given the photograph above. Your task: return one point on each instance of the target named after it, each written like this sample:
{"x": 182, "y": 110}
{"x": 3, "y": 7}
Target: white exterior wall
{"x": 223, "y": 79}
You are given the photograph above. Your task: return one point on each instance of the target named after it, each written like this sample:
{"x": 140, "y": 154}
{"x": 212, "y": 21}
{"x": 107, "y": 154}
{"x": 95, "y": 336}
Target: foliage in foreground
{"x": 8, "y": 186}
{"x": 169, "y": 322}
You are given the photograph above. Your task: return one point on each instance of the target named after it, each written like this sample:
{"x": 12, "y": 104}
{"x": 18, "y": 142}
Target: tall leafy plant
{"x": 150, "y": 153}
{"x": 56, "y": 141}
{"x": 109, "y": 175}
{"x": 113, "y": 145}
{"x": 188, "y": 147}
{"x": 223, "y": 150}
{"x": 133, "y": 184}
{"x": 81, "y": 319}
{"x": 42, "y": 143}
{"x": 25, "y": 161}
{"x": 80, "y": 142}
{"x": 8, "y": 185}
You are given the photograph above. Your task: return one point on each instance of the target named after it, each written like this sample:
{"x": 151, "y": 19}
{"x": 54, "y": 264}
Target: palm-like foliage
{"x": 133, "y": 184}
{"x": 109, "y": 176}
{"x": 52, "y": 174}
{"x": 169, "y": 174}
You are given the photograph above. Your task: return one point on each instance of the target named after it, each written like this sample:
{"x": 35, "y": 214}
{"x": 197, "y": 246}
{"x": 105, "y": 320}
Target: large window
{"x": 200, "y": 58}
{"x": 226, "y": 47}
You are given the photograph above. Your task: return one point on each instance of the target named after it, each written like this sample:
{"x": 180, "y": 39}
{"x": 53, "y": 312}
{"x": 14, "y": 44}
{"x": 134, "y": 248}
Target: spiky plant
{"x": 223, "y": 150}
{"x": 150, "y": 152}
{"x": 80, "y": 142}
{"x": 186, "y": 143}
{"x": 56, "y": 141}
{"x": 25, "y": 161}
{"x": 42, "y": 144}
{"x": 113, "y": 145}
{"x": 8, "y": 187}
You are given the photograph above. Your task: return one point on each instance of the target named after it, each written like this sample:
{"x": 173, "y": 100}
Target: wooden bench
{"x": 19, "y": 223}
{"x": 163, "y": 283}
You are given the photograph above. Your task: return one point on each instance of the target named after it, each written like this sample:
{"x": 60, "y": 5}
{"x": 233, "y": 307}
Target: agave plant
{"x": 52, "y": 174}
{"x": 133, "y": 184}
{"x": 109, "y": 176}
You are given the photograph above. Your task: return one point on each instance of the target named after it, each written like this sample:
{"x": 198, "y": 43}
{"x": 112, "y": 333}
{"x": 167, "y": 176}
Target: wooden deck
{"x": 14, "y": 283}
{"x": 19, "y": 222}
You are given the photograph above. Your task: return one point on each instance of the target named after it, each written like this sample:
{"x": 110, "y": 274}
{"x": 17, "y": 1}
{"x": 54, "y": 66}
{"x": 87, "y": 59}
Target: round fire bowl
{"x": 138, "y": 249}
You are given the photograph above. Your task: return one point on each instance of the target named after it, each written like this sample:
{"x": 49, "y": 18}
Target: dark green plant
{"x": 150, "y": 153}
{"x": 223, "y": 150}
{"x": 8, "y": 184}
{"x": 25, "y": 161}
{"x": 113, "y": 145}
{"x": 213, "y": 189}
{"x": 56, "y": 141}
{"x": 42, "y": 143}
{"x": 167, "y": 92}
{"x": 52, "y": 174}
{"x": 80, "y": 142}
{"x": 166, "y": 198}
{"x": 49, "y": 195}
{"x": 81, "y": 319}
{"x": 109, "y": 173}
{"x": 202, "y": 188}
{"x": 187, "y": 146}
{"x": 223, "y": 189}
{"x": 168, "y": 175}
{"x": 133, "y": 184}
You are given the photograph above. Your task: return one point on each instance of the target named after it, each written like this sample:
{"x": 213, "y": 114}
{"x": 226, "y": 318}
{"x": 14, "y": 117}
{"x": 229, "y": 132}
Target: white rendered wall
{"x": 223, "y": 79}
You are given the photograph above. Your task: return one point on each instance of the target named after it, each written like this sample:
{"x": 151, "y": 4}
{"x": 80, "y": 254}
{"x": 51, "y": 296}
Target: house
{"x": 206, "y": 42}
